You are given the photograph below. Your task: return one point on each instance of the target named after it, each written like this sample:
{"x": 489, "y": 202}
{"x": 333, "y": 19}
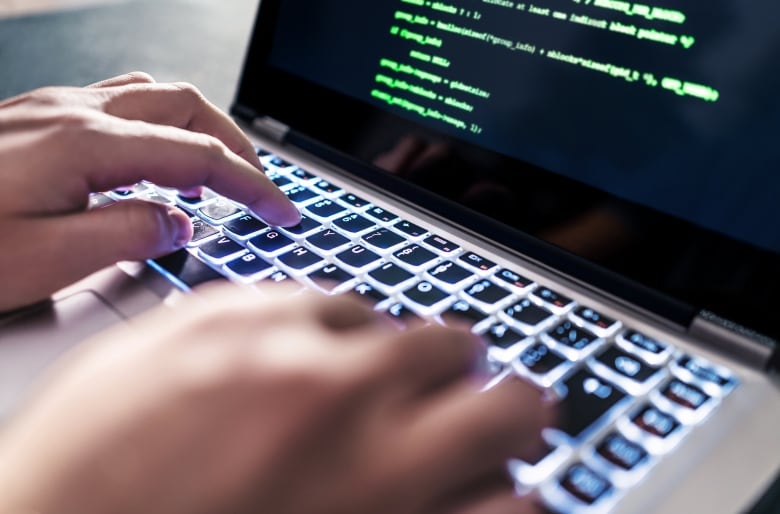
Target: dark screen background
{"x": 709, "y": 162}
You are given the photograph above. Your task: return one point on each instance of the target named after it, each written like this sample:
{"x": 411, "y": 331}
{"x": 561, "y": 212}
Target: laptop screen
{"x": 613, "y": 129}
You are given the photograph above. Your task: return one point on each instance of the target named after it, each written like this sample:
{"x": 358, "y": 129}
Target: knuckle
{"x": 189, "y": 90}
{"x": 214, "y": 149}
{"x": 75, "y": 128}
{"x": 140, "y": 76}
{"x": 46, "y": 96}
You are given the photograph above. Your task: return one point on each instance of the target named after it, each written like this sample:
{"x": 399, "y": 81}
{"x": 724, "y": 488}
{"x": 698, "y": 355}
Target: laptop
{"x": 589, "y": 185}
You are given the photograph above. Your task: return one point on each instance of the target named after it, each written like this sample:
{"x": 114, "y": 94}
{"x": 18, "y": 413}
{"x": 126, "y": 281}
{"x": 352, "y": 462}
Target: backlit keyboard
{"x": 626, "y": 398}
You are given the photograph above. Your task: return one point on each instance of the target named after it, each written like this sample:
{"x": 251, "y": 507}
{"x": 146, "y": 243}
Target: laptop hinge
{"x": 723, "y": 335}
{"x": 271, "y": 128}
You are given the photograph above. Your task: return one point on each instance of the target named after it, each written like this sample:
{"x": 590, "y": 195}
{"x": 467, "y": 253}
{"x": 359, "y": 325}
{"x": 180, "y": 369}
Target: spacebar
{"x": 185, "y": 268}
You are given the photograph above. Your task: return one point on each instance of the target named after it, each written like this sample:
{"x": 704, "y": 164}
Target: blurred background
{"x": 10, "y": 8}
{"x": 76, "y": 42}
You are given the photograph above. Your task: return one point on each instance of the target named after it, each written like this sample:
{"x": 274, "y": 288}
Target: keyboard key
{"x": 302, "y": 174}
{"x": 685, "y": 395}
{"x": 249, "y": 267}
{"x": 403, "y": 315}
{"x": 595, "y": 321}
{"x": 545, "y": 363}
{"x": 99, "y": 200}
{"x": 369, "y": 292}
{"x": 715, "y": 379}
{"x": 220, "y": 250}
{"x": 328, "y": 241}
{"x": 515, "y": 281}
{"x": 502, "y": 335}
{"x": 325, "y": 209}
{"x": 219, "y": 210}
{"x": 354, "y": 224}
{"x": 325, "y": 187}
{"x": 487, "y": 294}
{"x": 300, "y": 260}
{"x": 415, "y": 257}
{"x": 186, "y": 268}
{"x": 123, "y": 193}
{"x": 541, "y": 365}
{"x": 383, "y": 239}
{"x": 201, "y": 231}
{"x": 552, "y": 299}
{"x": 279, "y": 277}
{"x": 381, "y": 215}
{"x": 589, "y": 400}
{"x": 410, "y": 229}
{"x": 331, "y": 278}
{"x": 280, "y": 180}
{"x": 390, "y": 277}
{"x": 306, "y": 227}
{"x": 245, "y": 226}
{"x": 450, "y": 276}
{"x": 271, "y": 243}
{"x": 652, "y": 421}
{"x": 358, "y": 258}
{"x": 463, "y": 313}
{"x": 621, "y": 452}
{"x": 353, "y": 200}
{"x": 526, "y": 316}
{"x": 196, "y": 202}
{"x": 442, "y": 245}
{"x": 426, "y": 297}
{"x": 152, "y": 195}
{"x": 300, "y": 194}
{"x": 585, "y": 484}
{"x": 477, "y": 262}
{"x": 572, "y": 340}
{"x": 651, "y": 350}
{"x": 279, "y": 162}
{"x": 632, "y": 373}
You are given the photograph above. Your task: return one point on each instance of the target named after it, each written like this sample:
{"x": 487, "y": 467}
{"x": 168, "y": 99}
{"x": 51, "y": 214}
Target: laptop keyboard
{"x": 626, "y": 399}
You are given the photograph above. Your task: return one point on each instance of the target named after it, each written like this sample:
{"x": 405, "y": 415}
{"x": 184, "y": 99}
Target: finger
{"x": 464, "y": 434}
{"x": 492, "y": 494}
{"x": 89, "y": 241}
{"x": 424, "y": 359}
{"x": 135, "y": 77}
{"x": 180, "y": 105}
{"x": 503, "y": 501}
{"x": 124, "y": 152}
{"x": 340, "y": 313}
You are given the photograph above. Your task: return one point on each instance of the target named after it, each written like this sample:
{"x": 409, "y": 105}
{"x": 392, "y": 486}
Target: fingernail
{"x": 181, "y": 227}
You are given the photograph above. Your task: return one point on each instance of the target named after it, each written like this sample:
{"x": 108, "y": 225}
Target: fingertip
{"x": 281, "y": 213}
{"x": 181, "y": 227}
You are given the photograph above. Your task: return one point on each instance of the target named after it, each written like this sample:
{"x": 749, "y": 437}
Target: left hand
{"x": 59, "y": 144}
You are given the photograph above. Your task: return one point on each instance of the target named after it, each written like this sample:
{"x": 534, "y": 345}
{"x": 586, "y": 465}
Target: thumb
{"x": 49, "y": 253}
{"x": 127, "y": 230}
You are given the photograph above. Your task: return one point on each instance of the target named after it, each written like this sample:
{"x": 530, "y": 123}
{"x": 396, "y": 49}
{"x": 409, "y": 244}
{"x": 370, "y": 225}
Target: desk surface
{"x": 173, "y": 40}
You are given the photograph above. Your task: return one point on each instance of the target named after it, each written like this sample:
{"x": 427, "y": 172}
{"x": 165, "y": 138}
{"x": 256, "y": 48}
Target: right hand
{"x": 248, "y": 403}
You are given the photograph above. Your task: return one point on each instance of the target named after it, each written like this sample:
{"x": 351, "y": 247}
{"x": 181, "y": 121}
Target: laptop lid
{"x": 630, "y": 146}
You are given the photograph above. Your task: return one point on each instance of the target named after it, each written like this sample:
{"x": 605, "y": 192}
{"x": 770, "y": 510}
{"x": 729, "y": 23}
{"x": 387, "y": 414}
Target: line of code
{"x": 422, "y": 80}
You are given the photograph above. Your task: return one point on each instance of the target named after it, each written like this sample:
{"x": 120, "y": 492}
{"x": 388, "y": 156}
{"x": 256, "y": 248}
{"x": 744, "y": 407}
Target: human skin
{"x": 286, "y": 404}
{"x": 59, "y": 144}
{"x": 234, "y": 400}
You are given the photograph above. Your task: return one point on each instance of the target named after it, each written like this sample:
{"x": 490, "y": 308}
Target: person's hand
{"x": 59, "y": 144}
{"x": 245, "y": 403}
